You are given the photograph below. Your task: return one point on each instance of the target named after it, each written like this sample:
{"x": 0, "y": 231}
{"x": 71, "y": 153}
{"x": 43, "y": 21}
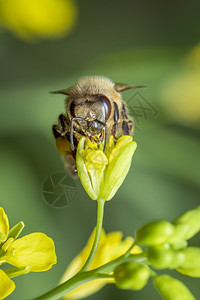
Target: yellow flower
{"x": 102, "y": 173}
{"x": 110, "y": 247}
{"x": 35, "y": 18}
{"x": 7, "y": 286}
{"x": 34, "y": 252}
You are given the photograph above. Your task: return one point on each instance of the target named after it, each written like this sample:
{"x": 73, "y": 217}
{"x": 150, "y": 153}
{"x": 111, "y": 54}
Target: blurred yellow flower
{"x": 34, "y": 252}
{"x": 181, "y": 93}
{"x": 31, "y": 19}
{"x": 193, "y": 58}
{"x": 110, "y": 247}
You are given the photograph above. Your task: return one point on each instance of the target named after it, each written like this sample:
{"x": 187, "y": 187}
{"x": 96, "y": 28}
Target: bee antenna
{"x": 64, "y": 92}
{"x": 121, "y": 87}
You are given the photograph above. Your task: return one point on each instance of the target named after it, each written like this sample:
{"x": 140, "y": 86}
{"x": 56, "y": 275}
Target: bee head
{"x": 92, "y": 111}
{"x": 90, "y": 101}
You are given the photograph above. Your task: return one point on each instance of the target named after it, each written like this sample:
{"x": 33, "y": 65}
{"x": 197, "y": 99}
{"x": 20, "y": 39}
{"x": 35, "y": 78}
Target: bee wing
{"x": 121, "y": 87}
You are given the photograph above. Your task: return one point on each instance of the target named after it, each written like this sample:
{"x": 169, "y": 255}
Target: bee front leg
{"x": 55, "y": 131}
{"x": 64, "y": 147}
{"x": 63, "y": 124}
{"x": 116, "y": 120}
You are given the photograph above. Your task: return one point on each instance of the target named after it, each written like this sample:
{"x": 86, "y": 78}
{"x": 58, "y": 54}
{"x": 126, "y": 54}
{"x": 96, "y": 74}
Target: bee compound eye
{"x": 107, "y": 106}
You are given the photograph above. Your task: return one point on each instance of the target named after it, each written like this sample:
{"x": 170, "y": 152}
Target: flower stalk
{"x": 100, "y": 212}
{"x": 82, "y": 277}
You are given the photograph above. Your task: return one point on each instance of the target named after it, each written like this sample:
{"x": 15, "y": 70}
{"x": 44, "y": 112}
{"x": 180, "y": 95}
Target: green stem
{"x": 71, "y": 284}
{"x": 126, "y": 254}
{"x": 80, "y": 278}
{"x": 100, "y": 211}
{"x": 110, "y": 266}
{"x": 153, "y": 273}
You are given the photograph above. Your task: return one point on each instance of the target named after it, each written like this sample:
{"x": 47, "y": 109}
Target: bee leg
{"x": 105, "y": 139}
{"x": 127, "y": 124}
{"x": 64, "y": 147}
{"x": 55, "y": 131}
{"x": 116, "y": 119}
{"x": 62, "y": 143}
{"x": 127, "y": 127}
{"x": 114, "y": 130}
{"x": 62, "y": 122}
{"x": 90, "y": 138}
{"x": 71, "y": 133}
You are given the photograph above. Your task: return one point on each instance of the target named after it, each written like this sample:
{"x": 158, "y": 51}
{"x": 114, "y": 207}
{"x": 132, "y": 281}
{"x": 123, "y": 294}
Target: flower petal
{"x": 110, "y": 247}
{"x": 118, "y": 167}
{"x": 6, "y": 285}
{"x": 82, "y": 170}
{"x": 4, "y": 224}
{"x": 95, "y": 161}
{"x": 114, "y": 150}
{"x": 36, "y": 250}
{"x": 87, "y": 288}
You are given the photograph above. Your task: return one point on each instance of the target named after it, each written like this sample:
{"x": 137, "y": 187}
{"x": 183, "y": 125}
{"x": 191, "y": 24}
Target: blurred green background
{"x": 138, "y": 42}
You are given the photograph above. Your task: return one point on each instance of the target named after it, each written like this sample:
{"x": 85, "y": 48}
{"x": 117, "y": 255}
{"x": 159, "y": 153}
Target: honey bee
{"x": 94, "y": 108}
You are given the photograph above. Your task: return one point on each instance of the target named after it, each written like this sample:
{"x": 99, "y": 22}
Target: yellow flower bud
{"x": 192, "y": 258}
{"x": 131, "y": 276}
{"x": 159, "y": 257}
{"x": 162, "y": 257}
{"x": 191, "y": 264}
{"x": 179, "y": 233}
{"x": 102, "y": 173}
{"x": 190, "y": 218}
{"x": 154, "y": 233}
{"x": 172, "y": 289}
{"x": 118, "y": 166}
{"x": 179, "y": 245}
{"x": 189, "y": 272}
